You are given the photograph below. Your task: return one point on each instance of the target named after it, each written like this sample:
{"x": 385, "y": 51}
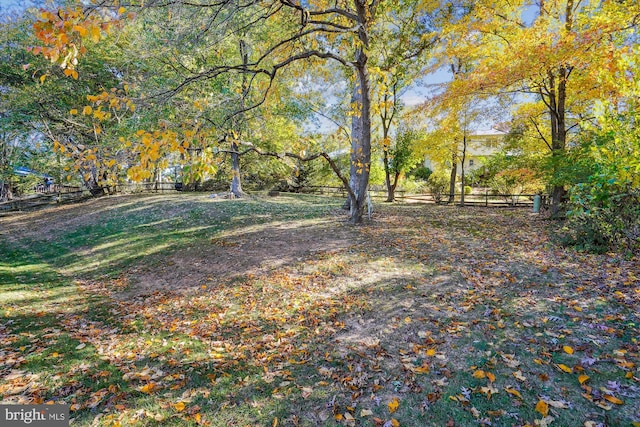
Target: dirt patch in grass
{"x": 252, "y": 251}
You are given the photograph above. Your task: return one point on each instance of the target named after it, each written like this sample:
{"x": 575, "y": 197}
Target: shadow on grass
{"x": 112, "y": 238}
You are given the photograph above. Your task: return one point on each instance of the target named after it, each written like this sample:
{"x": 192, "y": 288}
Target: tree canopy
{"x": 124, "y": 91}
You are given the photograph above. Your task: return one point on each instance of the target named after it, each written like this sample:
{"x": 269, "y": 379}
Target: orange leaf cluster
{"x": 64, "y": 32}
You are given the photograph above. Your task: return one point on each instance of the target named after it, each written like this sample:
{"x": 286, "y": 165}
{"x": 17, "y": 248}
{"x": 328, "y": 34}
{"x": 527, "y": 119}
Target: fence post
{"x": 536, "y": 203}
{"x": 486, "y": 198}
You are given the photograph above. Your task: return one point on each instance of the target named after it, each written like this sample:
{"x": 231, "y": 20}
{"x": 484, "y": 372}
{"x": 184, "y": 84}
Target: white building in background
{"x": 481, "y": 146}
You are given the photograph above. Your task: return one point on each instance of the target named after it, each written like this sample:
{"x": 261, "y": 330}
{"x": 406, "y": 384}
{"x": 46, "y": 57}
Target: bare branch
{"x": 335, "y": 122}
{"x": 535, "y": 125}
{"x": 337, "y": 11}
{"x": 324, "y": 155}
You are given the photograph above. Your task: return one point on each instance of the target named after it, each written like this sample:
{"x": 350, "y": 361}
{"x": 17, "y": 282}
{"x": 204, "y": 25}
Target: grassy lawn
{"x": 186, "y": 310}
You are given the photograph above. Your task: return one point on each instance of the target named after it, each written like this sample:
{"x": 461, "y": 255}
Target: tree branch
{"x": 535, "y": 125}
{"x": 336, "y": 11}
{"x": 298, "y": 157}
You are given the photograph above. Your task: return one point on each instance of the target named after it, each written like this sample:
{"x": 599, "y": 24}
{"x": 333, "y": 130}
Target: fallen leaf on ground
{"x": 542, "y": 407}
{"x": 393, "y": 405}
{"x": 564, "y": 368}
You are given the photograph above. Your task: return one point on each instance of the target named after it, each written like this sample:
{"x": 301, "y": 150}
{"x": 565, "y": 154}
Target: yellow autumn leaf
{"x": 424, "y": 369}
{"x": 393, "y": 405}
{"x": 70, "y": 73}
{"x": 564, "y": 368}
{"x": 395, "y": 423}
{"x": 80, "y": 30}
{"x": 275, "y": 422}
{"x": 148, "y": 388}
{"x": 73, "y": 111}
{"x": 492, "y": 378}
{"x": 179, "y": 406}
{"x": 542, "y": 407}
{"x": 87, "y": 110}
{"x": 583, "y": 379}
{"x": 489, "y": 391}
{"x": 513, "y": 392}
{"x": 121, "y": 10}
{"x": 613, "y": 399}
{"x": 519, "y": 376}
{"x": 567, "y": 349}
{"x": 431, "y": 352}
{"x": 42, "y": 78}
{"x": 479, "y": 374}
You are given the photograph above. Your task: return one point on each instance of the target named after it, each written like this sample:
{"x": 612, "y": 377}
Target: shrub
{"x": 438, "y": 185}
{"x": 422, "y": 173}
{"x": 604, "y": 206}
{"x": 514, "y": 182}
{"x": 601, "y": 219}
{"x": 468, "y": 189}
{"x": 414, "y": 186}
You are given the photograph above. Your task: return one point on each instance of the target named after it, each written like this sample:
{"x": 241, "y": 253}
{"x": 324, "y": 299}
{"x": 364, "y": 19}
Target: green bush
{"x": 601, "y": 219}
{"x": 468, "y": 189}
{"x": 438, "y": 185}
{"x": 512, "y": 183}
{"x": 413, "y": 186}
{"x": 422, "y": 173}
{"x": 604, "y": 206}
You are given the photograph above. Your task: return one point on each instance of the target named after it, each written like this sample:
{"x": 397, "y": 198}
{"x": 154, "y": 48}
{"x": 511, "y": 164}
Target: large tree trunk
{"x": 356, "y": 135}
{"x": 361, "y": 147}
{"x": 386, "y": 120}
{"x": 90, "y": 178}
{"x": 464, "y": 157}
{"x": 556, "y": 105}
{"x": 5, "y": 191}
{"x": 452, "y": 179}
{"x": 557, "y": 100}
{"x": 236, "y": 182}
{"x": 391, "y": 188}
{"x": 387, "y": 176}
